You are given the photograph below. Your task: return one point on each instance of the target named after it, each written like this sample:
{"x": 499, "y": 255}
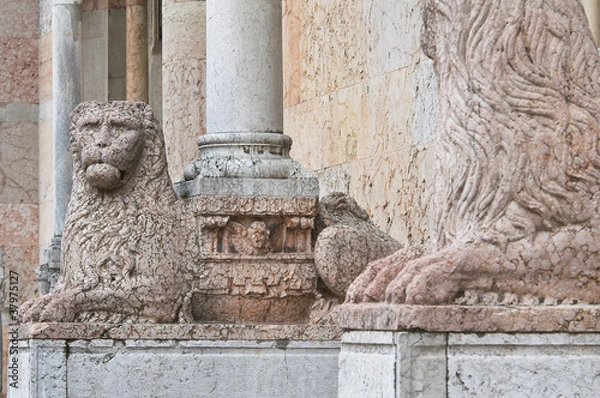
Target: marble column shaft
{"x": 244, "y": 106}
{"x": 244, "y": 66}
{"x": 137, "y": 50}
{"x": 67, "y": 92}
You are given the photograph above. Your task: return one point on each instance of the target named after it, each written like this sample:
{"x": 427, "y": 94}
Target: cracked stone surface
{"x": 128, "y": 241}
{"x": 346, "y": 242}
{"x": 18, "y": 162}
{"x": 518, "y": 171}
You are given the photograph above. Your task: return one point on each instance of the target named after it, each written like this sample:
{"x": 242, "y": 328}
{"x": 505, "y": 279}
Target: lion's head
{"x": 108, "y": 140}
{"x": 120, "y": 167}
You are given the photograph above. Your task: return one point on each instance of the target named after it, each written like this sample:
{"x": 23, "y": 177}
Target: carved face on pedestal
{"x": 259, "y": 236}
{"x": 110, "y": 150}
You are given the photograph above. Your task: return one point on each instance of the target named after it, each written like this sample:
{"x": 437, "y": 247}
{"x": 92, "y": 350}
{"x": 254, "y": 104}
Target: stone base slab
{"x": 78, "y": 331}
{"x": 480, "y": 319}
{"x": 228, "y": 361}
{"x": 448, "y": 365}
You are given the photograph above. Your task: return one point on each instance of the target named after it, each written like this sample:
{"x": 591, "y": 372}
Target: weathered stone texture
{"x": 45, "y": 69}
{"x": 184, "y": 112}
{"x": 135, "y": 266}
{"x": 19, "y": 223}
{"x": 19, "y": 51}
{"x": 171, "y": 368}
{"x": 19, "y": 32}
{"x": 197, "y": 331}
{"x": 19, "y": 19}
{"x": 18, "y": 161}
{"x": 183, "y": 74}
{"x": 351, "y": 99}
{"x": 18, "y": 76}
{"x": 18, "y": 249}
{"x": 439, "y": 365}
{"x": 137, "y": 51}
{"x": 45, "y": 185}
{"x": 325, "y": 57}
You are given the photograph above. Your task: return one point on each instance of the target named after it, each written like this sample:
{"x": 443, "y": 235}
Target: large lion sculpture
{"x": 128, "y": 241}
{"x": 518, "y": 164}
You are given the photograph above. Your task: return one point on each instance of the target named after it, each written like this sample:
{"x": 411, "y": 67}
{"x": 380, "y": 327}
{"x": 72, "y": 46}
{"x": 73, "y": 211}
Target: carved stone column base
{"x": 256, "y": 259}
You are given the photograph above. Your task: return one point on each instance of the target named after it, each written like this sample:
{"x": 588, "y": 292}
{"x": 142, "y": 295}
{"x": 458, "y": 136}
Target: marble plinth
{"x": 476, "y": 319}
{"x": 412, "y": 364}
{"x": 85, "y": 360}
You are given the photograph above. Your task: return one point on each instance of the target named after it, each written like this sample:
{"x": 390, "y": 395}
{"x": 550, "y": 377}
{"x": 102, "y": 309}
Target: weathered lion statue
{"x": 127, "y": 240}
{"x": 518, "y": 163}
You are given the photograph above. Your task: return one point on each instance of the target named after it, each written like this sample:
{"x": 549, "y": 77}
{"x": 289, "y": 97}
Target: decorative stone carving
{"x": 47, "y": 274}
{"x": 245, "y": 155}
{"x": 257, "y": 261}
{"x": 346, "y": 241}
{"x": 128, "y": 239}
{"x": 518, "y": 163}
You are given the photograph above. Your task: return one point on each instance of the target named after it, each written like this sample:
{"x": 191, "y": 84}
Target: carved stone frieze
{"x": 255, "y": 235}
{"x": 256, "y": 256}
{"x": 235, "y": 205}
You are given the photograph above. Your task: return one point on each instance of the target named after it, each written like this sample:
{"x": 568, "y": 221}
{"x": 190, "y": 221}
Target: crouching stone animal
{"x": 128, "y": 242}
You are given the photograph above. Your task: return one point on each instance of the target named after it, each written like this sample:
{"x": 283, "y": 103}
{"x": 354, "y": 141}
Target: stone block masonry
{"x": 160, "y": 361}
{"x": 449, "y": 365}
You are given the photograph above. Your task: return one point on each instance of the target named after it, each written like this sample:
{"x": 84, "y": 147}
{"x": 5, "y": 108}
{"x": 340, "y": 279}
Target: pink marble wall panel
{"x": 18, "y": 51}
{"x": 18, "y": 162}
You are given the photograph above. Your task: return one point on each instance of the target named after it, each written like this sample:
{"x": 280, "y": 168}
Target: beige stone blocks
{"x": 350, "y": 89}
{"x": 359, "y": 141}
{"x": 392, "y": 34}
{"x": 318, "y": 56}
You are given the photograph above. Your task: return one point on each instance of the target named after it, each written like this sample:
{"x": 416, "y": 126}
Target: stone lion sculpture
{"x": 127, "y": 240}
{"x": 518, "y": 163}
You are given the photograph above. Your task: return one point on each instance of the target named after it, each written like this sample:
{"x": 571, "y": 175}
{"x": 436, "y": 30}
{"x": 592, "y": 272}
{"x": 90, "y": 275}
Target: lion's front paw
{"x": 31, "y": 310}
{"x": 429, "y": 280}
{"x": 441, "y": 277}
{"x": 371, "y": 284}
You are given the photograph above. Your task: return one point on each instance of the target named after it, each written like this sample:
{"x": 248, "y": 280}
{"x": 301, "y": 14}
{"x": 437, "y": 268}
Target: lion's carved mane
{"x": 127, "y": 240}
{"x": 516, "y": 194}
